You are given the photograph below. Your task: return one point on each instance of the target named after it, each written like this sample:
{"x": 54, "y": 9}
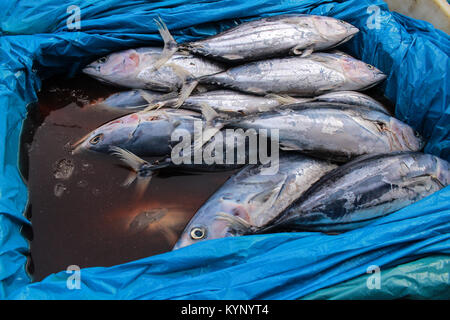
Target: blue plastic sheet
{"x": 36, "y": 42}
{"x": 426, "y": 278}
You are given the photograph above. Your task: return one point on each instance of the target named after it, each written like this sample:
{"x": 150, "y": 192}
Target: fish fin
{"x": 237, "y": 224}
{"x": 286, "y": 146}
{"x": 208, "y": 113}
{"x": 142, "y": 170}
{"x": 142, "y": 185}
{"x": 129, "y": 158}
{"x": 130, "y": 179}
{"x": 170, "y": 45}
{"x": 185, "y": 92}
{"x": 146, "y": 96}
{"x": 155, "y": 106}
{"x": 213, "y": 125}
{"x": 306, "y": 52}
{"x": 189, "y": 83}
{"x": 282, "y": 99}
{"x": 181, "y": 72}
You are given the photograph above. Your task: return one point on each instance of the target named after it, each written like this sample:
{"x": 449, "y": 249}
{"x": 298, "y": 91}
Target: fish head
{"x": 364, "y": 74}
{"x": 114, "y": 133}
{"x": 334, "y": 30}
{"x": 406, "y": 137}
{"x": 116, "y": 67}
{"x": 229, "y": 220}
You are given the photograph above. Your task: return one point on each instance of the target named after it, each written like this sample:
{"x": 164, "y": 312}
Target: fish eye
{"x": 102, "y": 60}
{"x": 198, "y": 233}
{"x": 370, "y": 67}
{"x": 96, "y": 139}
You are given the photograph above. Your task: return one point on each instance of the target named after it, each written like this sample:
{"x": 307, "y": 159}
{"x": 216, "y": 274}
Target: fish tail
{"x": 142, "y": 171}
{"x": 170, "y": 45}
{"x": 130, "y": 159}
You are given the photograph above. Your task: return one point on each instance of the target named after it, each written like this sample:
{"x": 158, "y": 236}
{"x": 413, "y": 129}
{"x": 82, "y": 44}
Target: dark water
{"x": 80, "y": 212}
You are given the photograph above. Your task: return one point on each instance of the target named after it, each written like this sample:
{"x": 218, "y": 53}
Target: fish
{"x": 355, "y": 194}
{"x": 352, "y": 98}
{"x": 137, "y": 99}
{"x": 334, "y": 132}
{"x": 224, "y": 102}
{"x": 233, "y": 103}
{"x": 145, "y": 133}
{"x": 225, "y": 150}
{"x": 134, "y": 68}
{"x": 296, "y": 34}
{"x": 314, "y": 75}
{"x": 252, "y": 198}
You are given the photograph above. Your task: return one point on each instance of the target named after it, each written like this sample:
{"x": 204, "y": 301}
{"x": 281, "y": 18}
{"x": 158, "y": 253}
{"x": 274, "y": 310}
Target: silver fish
{"x": 352, "y": 98}
{"x": 226, "y": 150}
{"x": 252, "y": 198}
{"x": 296, "y": 76}
{"x": 369, "y": 187}
{"x": 233, "y": 103}
{"x": 134, "y": 99}
{"x": 143, "y": 133}
{"x": 268, "y": 37}
{"x": 338, "y": 133}
{"x": 135, "y": 68}
{"x": 224, "y": 102}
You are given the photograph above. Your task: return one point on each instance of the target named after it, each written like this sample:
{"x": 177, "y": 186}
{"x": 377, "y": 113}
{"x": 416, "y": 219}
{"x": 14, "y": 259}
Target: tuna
{"x": 314, "y": 75}
{"x": 252, "y": 198}
{"x": 335, "y": 132}
{"x": 296, "y": 34}
{"x": 362, "y": 190}
{"x": 122, "y": 69}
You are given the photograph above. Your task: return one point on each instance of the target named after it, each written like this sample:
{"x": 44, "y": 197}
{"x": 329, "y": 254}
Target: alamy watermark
{"x": 229, "y": 146}
{"x": 374, "y": 20}
{"x": 74, "y": 20}
{"x": 74, "y": 280}
{"x": 373, "y": 281}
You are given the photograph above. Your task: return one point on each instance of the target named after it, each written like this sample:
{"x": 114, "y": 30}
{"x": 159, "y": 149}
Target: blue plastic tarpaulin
{"x": 40, "y": 40}
{"x": 426, "y": 278}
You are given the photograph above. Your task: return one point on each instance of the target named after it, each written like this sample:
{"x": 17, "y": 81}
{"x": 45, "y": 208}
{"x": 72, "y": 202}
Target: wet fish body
{"x": 352, "y": 98}
{"x": 132, "y": 99}
{"x": 316, "y": 74}
{"x": 229, "y": 102}
{"x": 274, "y": 36}
{"x": 253, "y": 198}
{"x": 364, "y": 189}
{"x": 337, "y": 133}
{"x": 224, "y": 102}
{"x": 265, "y": 38}
{"x": 134, "y": 68}
{"x": 142, "y": 133}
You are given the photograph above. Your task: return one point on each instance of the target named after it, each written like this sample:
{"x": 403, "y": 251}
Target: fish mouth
{"x": 351, "y": 33}
{"x": 90, "y": 70}
{"x": 352, "y": 30}
{"x": 77, "y": 146}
